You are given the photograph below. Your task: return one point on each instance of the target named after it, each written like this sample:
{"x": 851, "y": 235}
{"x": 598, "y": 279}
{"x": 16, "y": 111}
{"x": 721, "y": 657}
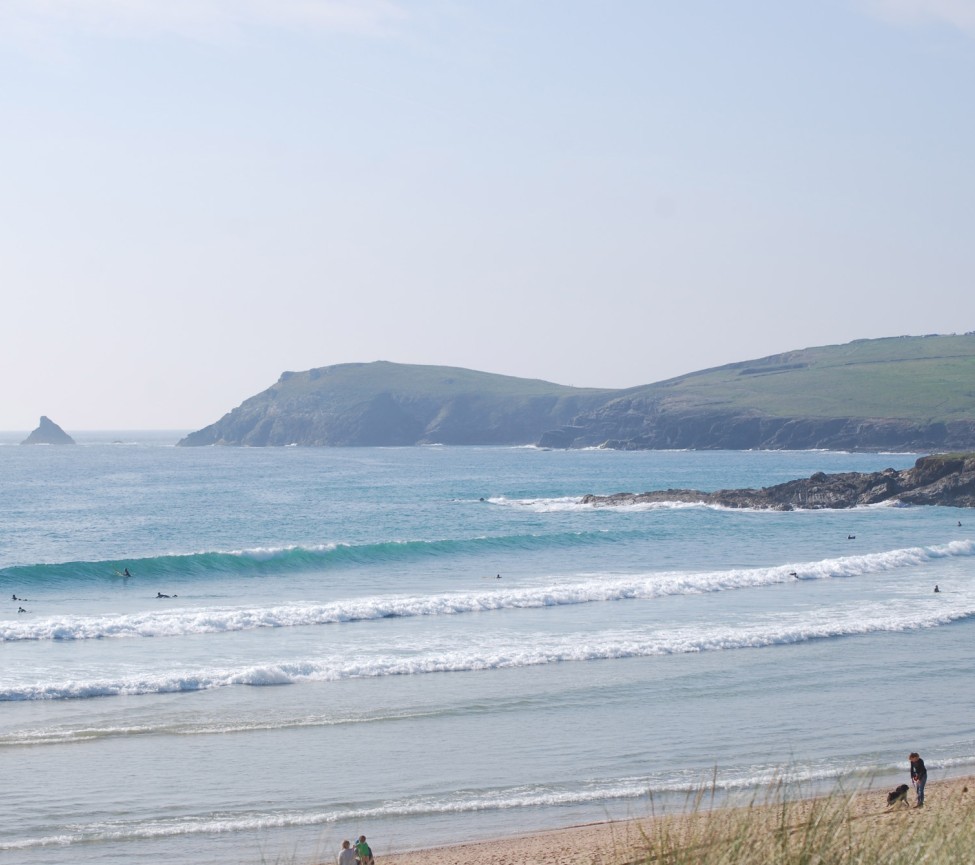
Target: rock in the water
{"x": 940, "y": 479}
{"x": 48, "y": 433}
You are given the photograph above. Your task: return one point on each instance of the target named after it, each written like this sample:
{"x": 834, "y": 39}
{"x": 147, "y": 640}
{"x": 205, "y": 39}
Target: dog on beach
{"x": 898, "y": 794}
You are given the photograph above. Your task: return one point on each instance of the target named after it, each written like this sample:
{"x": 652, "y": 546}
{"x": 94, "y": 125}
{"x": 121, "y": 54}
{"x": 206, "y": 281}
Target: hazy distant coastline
{"x": 909, "y": 394}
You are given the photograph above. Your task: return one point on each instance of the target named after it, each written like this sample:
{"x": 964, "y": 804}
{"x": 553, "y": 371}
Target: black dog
{"x": 898, "y": 794}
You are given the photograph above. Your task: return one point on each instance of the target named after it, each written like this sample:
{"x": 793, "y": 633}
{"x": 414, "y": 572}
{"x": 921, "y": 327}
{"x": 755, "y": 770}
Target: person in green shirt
{"x": 363, "y": 851}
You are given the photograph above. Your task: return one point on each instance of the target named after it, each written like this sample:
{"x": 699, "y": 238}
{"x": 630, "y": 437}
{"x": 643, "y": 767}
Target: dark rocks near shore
{"x": 942, "y": 479}
{"x": 48, "y": 433}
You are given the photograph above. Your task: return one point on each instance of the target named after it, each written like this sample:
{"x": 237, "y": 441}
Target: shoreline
{"x": 615, "y": 842}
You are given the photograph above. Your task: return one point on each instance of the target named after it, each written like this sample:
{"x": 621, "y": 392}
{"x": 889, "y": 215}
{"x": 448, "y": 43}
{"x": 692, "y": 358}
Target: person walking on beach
{"x": 363, "y": 851}
{"x": 919, "y": 776}
{"x": 346, "y": 854}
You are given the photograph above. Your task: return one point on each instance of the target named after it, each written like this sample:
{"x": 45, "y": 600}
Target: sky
{"x": 198, "y": 195}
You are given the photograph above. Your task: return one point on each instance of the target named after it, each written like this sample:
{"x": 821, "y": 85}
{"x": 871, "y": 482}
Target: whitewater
{"x": 428, "y": 645}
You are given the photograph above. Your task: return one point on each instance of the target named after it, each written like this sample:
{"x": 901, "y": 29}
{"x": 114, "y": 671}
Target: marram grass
{"x": 839, "y": 829}
{"x": 779, "y": 826}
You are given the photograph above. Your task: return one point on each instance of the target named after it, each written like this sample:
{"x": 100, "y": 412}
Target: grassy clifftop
{"x": 357, "y": 381}
{"x": 910, "y": 378}
{"x": 909, "y": 393}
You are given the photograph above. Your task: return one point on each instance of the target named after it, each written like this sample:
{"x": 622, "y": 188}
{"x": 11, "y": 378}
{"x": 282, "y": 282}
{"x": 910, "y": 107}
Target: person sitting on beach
{"x": 346, "y": 854}
{"x": 363, "y": 851}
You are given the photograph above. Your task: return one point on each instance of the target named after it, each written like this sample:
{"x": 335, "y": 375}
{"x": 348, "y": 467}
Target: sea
{"x": 246, "y": 655}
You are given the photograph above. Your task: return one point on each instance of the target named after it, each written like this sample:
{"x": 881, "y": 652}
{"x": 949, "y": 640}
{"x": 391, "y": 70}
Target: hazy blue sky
{"x": 197, "y": 195}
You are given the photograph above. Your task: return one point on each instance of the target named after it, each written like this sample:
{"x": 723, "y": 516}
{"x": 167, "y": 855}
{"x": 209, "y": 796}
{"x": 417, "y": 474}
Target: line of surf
{"x": 683, "y": 784}
{"x": 531, "y": 650}
{"x": 174, "y": 622}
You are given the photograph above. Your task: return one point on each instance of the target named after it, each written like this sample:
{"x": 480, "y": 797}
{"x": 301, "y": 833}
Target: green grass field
{"x": 912, "y": 378}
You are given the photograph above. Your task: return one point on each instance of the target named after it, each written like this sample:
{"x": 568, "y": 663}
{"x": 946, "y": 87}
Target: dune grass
{"x": 781, "y": 825}
{"x": 839, "y": 829}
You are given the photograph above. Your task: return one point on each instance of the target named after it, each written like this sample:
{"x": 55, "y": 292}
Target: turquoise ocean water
{"x": 428, "y": 645}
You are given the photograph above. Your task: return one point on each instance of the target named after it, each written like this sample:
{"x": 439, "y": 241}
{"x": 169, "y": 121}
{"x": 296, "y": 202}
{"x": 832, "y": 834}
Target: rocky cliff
{"x": 384, "y": 404}
{"x": 944, "y": 479}
{"x": 48, "y": 433}
{"x": 901, "y": 393}
{"x": 633, "y": 425}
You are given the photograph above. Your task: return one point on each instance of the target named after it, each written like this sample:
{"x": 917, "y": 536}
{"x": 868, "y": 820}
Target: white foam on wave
{"x": 267, "y": 553}
{"x": 531, "y": 649}
{"x": 574, "y": 504}
{"x": 596, "y": 589}
{"x": 499, "y": 799}
{"x": 777, "y": 780}
{"x": 207, "y": 825}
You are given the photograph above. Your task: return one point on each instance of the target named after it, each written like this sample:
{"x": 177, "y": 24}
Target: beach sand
{"x": 615, "y": 843}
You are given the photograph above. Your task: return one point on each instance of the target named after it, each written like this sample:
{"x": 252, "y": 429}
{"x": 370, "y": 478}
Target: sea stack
{"x": 48, "y": 433}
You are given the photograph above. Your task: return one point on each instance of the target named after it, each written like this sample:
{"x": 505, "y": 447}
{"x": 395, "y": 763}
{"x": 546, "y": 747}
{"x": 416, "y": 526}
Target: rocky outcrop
{"x": 943, "y": 479}
{"x": 48, "y": 433}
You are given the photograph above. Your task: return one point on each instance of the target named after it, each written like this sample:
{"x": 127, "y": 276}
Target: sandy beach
{"x": 628, "y": 841}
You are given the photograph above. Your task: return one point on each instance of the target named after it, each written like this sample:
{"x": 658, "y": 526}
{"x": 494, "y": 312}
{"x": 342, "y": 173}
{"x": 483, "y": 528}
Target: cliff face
{"x": 386, "y": 421}
{"x": 901, "y": 393}
{"x": 626, "y": 428}
{"x": 945, "y": 479}
{"x": 388, "y": 405}
{"x": 48, "y": 433}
